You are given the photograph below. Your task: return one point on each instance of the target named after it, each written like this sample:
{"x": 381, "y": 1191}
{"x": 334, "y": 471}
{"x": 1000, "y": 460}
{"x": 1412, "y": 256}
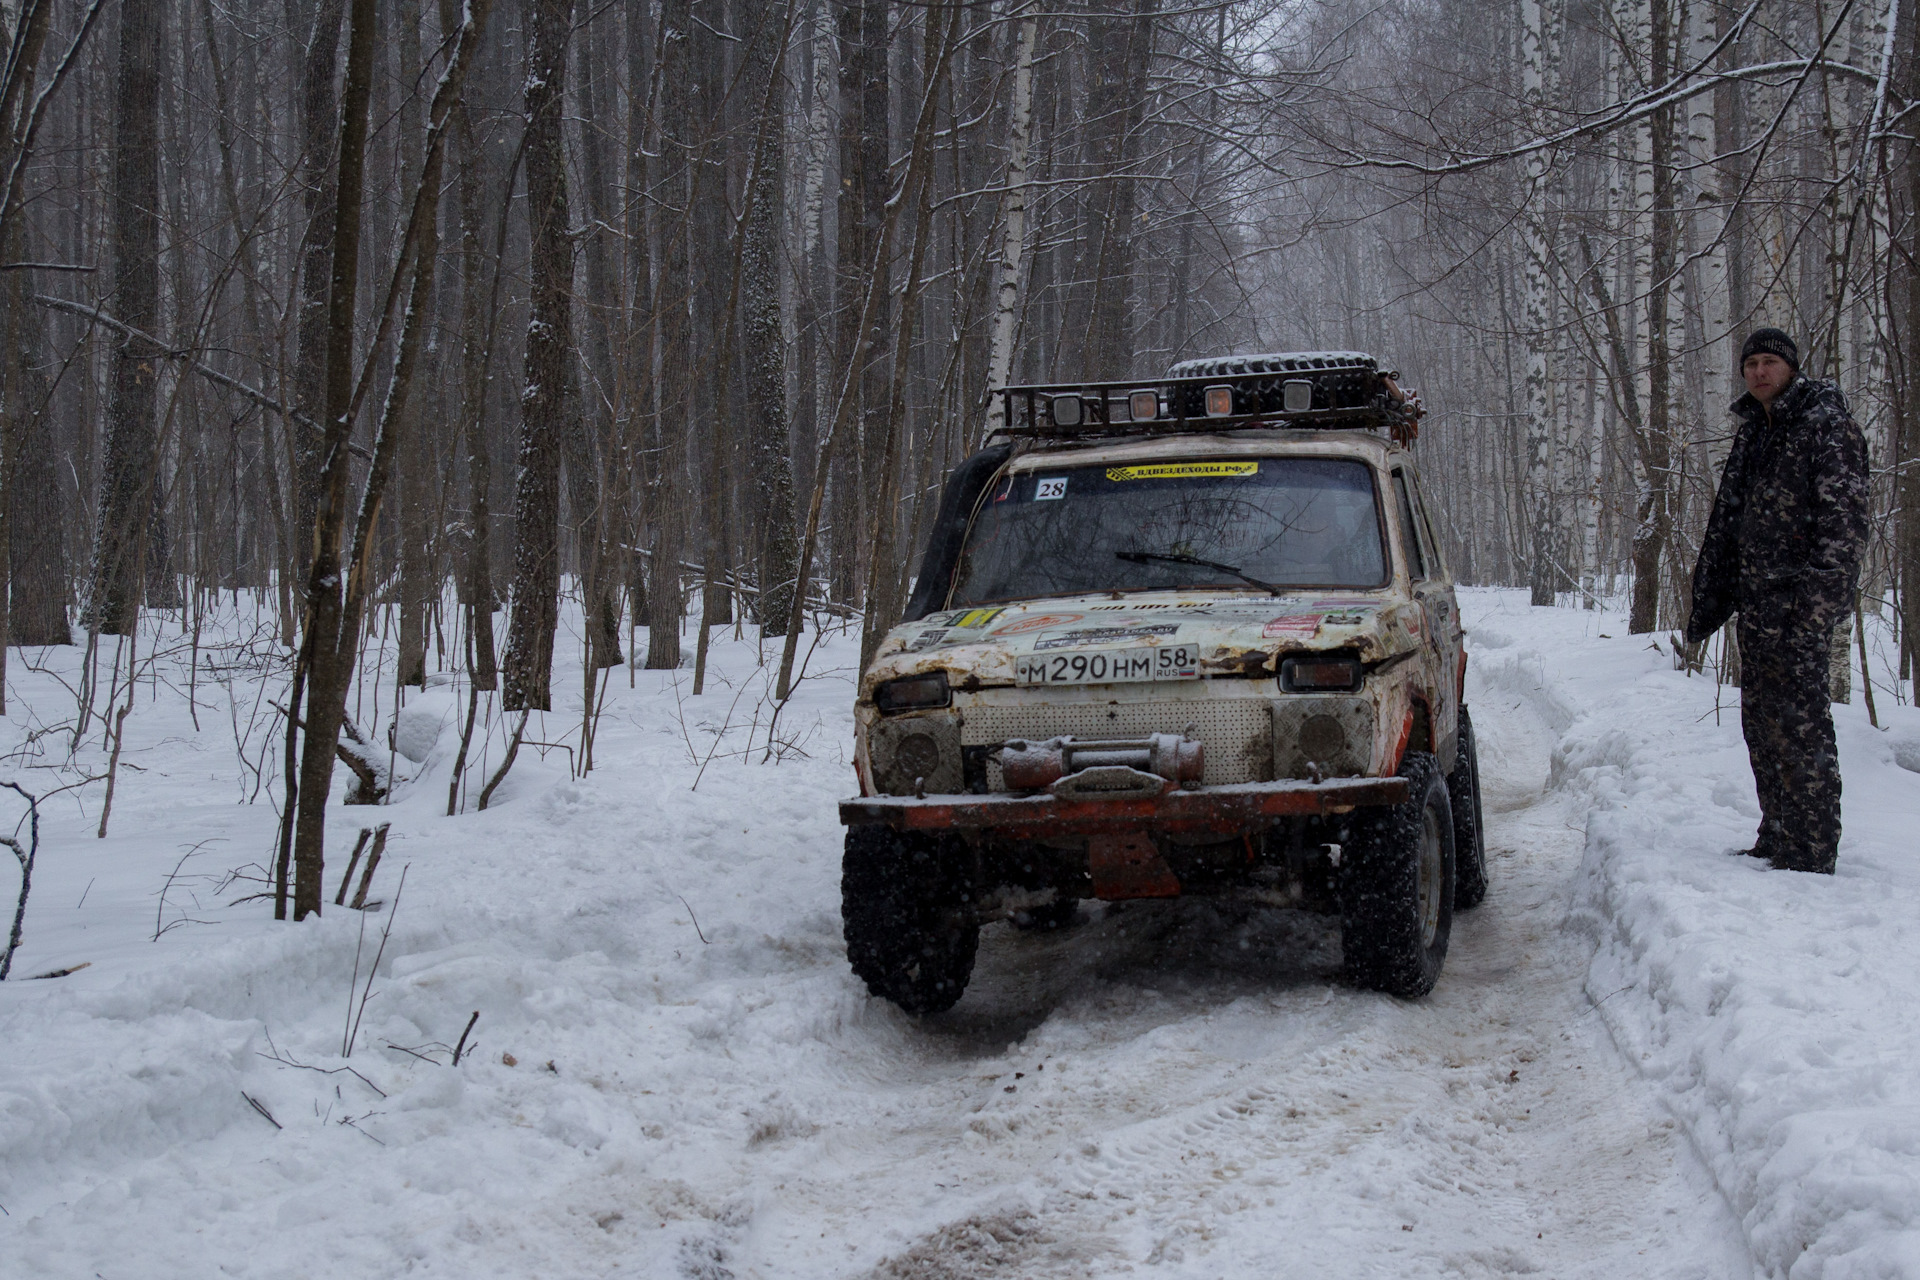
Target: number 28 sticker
{"x": 1050, "y": 487}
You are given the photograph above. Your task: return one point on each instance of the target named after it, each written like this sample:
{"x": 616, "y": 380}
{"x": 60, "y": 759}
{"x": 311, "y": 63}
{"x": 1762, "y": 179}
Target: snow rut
{"x": 1214, "y": 1102}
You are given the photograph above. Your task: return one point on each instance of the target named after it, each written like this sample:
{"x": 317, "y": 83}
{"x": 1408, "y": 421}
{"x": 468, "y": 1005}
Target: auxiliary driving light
{"x": 1144, "y": 406}
{"x": 913, "y": 693}
{"x": 1296, "y": 395}
{"x": 1067, "y": 411}
{"x": 1219, "y": 402}
{"x": 1321, "y": 675}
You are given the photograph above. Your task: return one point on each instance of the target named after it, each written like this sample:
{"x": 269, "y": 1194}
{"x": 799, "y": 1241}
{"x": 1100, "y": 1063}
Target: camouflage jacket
{"x": 1789, "y": 523}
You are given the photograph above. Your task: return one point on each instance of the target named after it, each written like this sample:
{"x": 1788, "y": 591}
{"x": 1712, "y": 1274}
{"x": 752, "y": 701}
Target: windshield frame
{"x": 1390, "y": 557}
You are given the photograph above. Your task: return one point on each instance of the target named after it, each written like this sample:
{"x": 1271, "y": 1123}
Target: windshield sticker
{"x": 927, "y": 639}
{"x": 1174, "y": 470}
{"x": 1106, "y": 635}
{"x": 1291, "y": 625}
{"x": 1049, "y": 487}
{"x": 974, "y": 618}
{"x": 1038, "y": 622}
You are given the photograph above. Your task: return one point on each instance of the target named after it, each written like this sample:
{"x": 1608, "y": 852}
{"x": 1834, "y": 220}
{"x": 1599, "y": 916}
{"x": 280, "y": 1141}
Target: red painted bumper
{"x": 1227, "y": 810}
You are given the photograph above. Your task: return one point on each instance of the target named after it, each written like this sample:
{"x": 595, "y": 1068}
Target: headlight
{"x": 1321, "y": 675}
{"x": 913, "y": 693}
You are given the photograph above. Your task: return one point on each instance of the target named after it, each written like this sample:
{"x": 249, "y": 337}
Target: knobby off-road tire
{"x": 1469, "y": 827}
{"x": 909, "y": 926}
{"x": 1396, "y": 886}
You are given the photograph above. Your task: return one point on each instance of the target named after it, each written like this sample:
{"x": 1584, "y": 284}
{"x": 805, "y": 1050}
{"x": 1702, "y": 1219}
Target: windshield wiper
{"x": 1141, "y": 557}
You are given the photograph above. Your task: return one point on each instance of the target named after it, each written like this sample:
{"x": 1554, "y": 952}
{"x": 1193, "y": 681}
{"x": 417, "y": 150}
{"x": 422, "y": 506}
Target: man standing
{"x": 1782, "y": 550}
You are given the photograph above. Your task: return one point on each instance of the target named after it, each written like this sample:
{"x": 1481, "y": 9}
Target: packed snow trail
{"x": 677, "y": 1076}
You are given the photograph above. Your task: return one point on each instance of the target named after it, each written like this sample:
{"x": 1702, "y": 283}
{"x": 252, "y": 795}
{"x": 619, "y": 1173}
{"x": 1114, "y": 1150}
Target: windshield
{"x": 1291, "y": 522}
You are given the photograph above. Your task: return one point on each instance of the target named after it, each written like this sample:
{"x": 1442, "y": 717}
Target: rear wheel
{"x": 910, "y": 929}
{"x": 1469, "y": 831}
{"x": 1396, "y": 886}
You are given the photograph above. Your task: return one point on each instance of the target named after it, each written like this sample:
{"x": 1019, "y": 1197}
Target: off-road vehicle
{"x": 1191, "y": 636}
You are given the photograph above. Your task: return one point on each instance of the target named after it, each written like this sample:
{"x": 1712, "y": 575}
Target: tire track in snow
{"x": 1212, "y": 1103}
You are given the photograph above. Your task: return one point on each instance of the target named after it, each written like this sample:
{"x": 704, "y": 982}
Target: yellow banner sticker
{"x": 1172, "y": 470}
{"x": 976, "y": 617}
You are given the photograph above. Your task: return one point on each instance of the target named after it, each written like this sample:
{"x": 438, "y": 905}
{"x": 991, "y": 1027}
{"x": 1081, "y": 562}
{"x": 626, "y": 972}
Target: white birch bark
{"x": 1535, "y": 305}
{"x": 1708, "y": 224}
{"x": 1014, "y": 244}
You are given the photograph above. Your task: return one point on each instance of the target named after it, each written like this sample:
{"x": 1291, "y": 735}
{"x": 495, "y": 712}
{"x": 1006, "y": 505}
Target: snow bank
{"x": 1775, "y": 1010}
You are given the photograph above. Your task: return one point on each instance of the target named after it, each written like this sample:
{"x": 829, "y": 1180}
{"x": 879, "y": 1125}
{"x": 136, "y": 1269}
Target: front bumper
{"x": 1234, "y": 809}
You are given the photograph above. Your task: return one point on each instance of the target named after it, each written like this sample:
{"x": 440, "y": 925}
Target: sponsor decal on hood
{"x": 1038, "y": 622}
{"x": 1107, "y": 635}
{"x": 1291, "y": 626}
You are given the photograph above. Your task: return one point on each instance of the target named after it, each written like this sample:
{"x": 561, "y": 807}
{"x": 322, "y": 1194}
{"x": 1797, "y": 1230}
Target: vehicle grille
{"x": 1238, "y": 732}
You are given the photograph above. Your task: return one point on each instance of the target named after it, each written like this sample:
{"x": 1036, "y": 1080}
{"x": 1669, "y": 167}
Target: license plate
{"x": 1117, "y": 666}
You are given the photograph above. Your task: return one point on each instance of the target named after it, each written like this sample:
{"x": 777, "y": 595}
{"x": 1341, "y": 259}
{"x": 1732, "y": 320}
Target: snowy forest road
{"x": 678, "y": 1078}
{"x": 1188, "y": 1085}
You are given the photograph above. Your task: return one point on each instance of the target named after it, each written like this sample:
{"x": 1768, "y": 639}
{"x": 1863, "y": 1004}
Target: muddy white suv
{"x": 1192, "y": 637}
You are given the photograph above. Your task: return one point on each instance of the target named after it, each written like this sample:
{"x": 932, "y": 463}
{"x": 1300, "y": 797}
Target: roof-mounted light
{"x": 1219, "y": 402}
{"x": 1296, "y": 395}
{"x": 1144, "y": 406}
{"x": 1067, "y": 411}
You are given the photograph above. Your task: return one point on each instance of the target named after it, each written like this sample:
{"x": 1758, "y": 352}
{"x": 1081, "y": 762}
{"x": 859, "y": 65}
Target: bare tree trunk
{"x": 527, "y": 673}
{"x": 328, "y": 646}
{"x": 127, "y": 489}
{"x": 1535, "y": 54}
{"x": 589, "y": 429}
{"x": 1654, "y": 530}
{"x": 476, "y": 570}
{"x": 761, "y": 329}
{"x": 337, "y": 586}
{"x": 672, "y": 296}
{"x": 1120, "y": 54}
{"x": 33, "y": 560}
{"x": 319, "y": 118}
{"x": 1014, "y": 242}
{"x": 418, "y": 582}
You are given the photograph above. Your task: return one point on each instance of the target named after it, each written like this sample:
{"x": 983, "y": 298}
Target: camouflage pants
{"x": 1787, "y": 720}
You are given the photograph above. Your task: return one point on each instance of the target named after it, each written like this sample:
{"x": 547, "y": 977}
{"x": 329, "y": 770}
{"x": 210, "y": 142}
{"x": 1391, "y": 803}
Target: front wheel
{"x": 910, "y": 928}
{"x": 1469, "y": 829}
{"x": 1397, "y": 885}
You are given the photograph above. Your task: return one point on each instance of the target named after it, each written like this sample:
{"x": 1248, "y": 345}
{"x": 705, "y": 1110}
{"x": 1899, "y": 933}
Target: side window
{"x": 1431, "y": 543}
{"x": 1409, "y": 537}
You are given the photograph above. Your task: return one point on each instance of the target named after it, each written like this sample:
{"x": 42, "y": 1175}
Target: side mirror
{"x": 1067, "y": 411}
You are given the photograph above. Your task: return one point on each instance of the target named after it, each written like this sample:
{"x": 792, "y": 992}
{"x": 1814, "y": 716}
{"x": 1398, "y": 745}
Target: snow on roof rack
{"x": 1326, "y": 389}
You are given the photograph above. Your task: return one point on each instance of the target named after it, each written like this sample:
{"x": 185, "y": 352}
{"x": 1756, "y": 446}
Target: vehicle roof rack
{"x": 1297, "y": 389}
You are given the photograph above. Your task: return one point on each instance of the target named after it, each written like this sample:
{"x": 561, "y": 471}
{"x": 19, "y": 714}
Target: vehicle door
{"x": 1439, "y": 610}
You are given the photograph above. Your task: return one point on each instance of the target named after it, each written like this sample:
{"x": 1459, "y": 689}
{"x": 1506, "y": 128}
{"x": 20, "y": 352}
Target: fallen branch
{"x": 283, "y": 1060}
{"x": 359, "y": 846}
{"x": 206, "y": 371}
{"x": 353, "y": 1026}
{"x": 461, "y": 1048}
{"x": 256, "y": 1105}
{"x": 359, "y": 902}
{"x": 513, "y": 749}
{"x": 26, "y": 857}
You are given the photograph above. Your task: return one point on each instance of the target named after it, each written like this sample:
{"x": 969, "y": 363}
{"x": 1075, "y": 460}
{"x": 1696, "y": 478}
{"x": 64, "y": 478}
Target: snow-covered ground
{"x": 1645, "y": 1058}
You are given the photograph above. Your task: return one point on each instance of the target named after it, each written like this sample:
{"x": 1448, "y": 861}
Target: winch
{"x": 1035, "y": 766}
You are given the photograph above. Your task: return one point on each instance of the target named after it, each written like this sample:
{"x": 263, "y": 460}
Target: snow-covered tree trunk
{"x": 527, "y": 670}
{"x": 1013, "y": 245}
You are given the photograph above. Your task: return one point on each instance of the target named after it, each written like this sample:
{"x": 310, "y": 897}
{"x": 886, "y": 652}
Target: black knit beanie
{"x": 1771, "y": 342}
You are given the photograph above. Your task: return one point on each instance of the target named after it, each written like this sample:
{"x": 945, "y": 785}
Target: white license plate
{"x": 1117, "y": 666}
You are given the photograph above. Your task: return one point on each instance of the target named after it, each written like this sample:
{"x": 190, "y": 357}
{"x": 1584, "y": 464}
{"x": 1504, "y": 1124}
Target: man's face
{"x": 1767, "y": 375}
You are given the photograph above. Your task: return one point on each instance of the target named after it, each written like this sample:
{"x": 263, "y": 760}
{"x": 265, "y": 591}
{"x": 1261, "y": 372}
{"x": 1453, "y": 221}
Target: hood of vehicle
{"x": 1243, "y": 634}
